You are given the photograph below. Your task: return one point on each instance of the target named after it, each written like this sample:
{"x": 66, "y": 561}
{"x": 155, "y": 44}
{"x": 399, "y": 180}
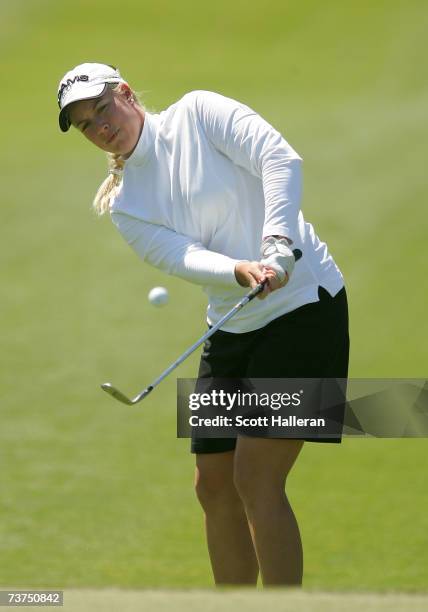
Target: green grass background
{"x": 95, "y": 494}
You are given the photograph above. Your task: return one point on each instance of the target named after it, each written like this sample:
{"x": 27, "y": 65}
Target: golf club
{"x": 121, "y": 397}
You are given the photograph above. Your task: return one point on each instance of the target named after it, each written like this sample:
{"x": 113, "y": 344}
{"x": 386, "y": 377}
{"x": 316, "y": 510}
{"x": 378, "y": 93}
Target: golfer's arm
{"x": 252, "y": 143}
{"x": 175, "y": 253}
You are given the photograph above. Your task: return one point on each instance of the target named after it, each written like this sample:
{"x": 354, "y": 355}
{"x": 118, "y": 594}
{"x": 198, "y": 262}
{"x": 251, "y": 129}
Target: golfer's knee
{"x": 214, "y": 492}
{"x": 257, "y": 491}
{"x": 246, "y": 485}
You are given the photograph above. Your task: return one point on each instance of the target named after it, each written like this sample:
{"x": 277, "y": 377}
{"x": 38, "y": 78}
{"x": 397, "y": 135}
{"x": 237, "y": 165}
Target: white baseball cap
{"x": 84, "y": 82}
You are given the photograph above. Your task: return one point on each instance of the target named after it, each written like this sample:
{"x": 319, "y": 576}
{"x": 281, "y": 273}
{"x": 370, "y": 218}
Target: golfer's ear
{"x": 127, "y": 91}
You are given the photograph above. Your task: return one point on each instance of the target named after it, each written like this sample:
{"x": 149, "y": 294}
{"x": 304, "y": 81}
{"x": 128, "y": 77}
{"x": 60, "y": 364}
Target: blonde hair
{"x": 110, "y": 187}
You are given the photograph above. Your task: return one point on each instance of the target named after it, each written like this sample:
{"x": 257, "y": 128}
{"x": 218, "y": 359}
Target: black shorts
{"x": 309, "y": 342}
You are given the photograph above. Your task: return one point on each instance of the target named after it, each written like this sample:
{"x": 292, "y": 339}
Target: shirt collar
{"x": 146, "y": 141}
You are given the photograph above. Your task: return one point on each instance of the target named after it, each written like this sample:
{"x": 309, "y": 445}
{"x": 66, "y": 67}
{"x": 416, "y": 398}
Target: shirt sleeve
{"x": 175, "y": 253}
{"x": 249, "y": 141}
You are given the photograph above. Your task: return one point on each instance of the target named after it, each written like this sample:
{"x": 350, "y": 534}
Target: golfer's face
{"x": 112, "y": 122}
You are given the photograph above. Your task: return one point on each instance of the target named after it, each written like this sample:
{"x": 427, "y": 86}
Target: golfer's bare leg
{"x": 230, "y": 546}
{"x": 261, "y": 469}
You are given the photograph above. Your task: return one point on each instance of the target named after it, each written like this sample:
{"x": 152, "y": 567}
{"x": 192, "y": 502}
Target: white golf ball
{"x": 158, "y": 296}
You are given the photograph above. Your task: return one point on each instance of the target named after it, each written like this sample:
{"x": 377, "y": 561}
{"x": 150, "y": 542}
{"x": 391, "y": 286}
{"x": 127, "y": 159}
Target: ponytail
{"x": 110, "y": 187}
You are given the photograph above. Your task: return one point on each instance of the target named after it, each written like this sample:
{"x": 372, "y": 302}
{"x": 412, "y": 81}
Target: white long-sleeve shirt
{"x": 208, "y": 179}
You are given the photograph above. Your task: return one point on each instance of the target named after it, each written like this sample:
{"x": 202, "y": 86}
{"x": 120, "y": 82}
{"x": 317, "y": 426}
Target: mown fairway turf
{"x": 95, "y": 494}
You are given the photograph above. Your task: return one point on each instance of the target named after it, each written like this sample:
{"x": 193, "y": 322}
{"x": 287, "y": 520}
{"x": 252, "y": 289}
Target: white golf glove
{"x": 277, "y": 255}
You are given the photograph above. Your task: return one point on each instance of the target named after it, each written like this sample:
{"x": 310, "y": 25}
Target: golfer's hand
{"x": 279, "y": 258}
{"x": 251, "y": 273}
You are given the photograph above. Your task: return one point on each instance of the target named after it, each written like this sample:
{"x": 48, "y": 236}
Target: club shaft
{"x": 111, "y": 390}
{"x": 209, "y": 333}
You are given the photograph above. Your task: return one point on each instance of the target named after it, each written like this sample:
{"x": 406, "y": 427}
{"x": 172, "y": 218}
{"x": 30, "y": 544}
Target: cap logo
{"x": 69, "y": 82}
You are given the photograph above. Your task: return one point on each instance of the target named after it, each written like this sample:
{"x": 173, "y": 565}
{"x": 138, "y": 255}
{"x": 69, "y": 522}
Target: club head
{"x": 108, "y": 388}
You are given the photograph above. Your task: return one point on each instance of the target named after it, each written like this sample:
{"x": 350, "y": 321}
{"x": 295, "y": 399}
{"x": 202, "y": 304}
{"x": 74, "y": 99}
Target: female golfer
{"x": 210, "y": 192}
